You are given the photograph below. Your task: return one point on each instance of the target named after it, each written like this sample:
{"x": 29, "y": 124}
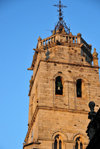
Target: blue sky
{"x": 21, "y": 23}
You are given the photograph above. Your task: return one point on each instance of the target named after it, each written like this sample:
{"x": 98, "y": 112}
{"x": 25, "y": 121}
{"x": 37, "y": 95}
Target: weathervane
{"x": 61, "y": 22}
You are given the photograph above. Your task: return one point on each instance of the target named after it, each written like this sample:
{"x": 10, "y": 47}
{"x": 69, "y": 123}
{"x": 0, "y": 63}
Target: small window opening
{"x": 58, "y": 86}
{"x": 81, "y": 145}
{"x": 55, "y": 144}
{"x": 58, "y": 142}
{"x": 79, "y": 88}
{"x": 78, "y": 143}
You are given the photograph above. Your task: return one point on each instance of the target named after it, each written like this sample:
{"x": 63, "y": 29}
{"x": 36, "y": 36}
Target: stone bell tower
{"x": 64, "y": 81}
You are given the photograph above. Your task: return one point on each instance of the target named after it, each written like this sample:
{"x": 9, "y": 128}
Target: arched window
{"x": 79, "y": 88}
{"x": 58, "y": 86}
{"x": 55, "y": 144}
{"x": 78, "y": 143}
{"x": 58, "y": 142}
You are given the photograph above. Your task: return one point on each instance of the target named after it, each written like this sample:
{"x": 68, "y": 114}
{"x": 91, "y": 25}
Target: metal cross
{"x": 60, "y": 6}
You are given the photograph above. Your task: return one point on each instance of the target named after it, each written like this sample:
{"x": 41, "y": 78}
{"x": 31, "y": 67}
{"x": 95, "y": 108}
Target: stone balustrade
{"x": 57, "y": 38}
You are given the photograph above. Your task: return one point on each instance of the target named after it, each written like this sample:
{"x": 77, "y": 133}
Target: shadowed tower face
{"x": 65, "y": 78}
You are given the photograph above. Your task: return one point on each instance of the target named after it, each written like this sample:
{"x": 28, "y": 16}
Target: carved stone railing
{"x": 60, "y": 38}
{"x": 57, "y": 38}
{"x": 47, "y": 41}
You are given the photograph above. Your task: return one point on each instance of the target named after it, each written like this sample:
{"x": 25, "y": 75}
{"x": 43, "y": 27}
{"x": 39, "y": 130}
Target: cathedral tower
{"x": 65, "y": 79}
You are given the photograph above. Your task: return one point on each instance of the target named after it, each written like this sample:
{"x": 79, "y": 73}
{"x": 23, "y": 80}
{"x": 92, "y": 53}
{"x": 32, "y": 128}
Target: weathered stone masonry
{"x": 65, "y": 79}
{"x": 63, "y": 115}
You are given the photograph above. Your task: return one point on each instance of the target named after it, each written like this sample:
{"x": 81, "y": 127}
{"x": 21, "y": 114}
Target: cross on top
{"x": 60, "y": 6}
{"x": 61, "y": 23}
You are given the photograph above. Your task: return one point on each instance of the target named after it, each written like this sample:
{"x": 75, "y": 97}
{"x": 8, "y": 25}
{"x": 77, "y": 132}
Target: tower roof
{"x": 61, "y": 25}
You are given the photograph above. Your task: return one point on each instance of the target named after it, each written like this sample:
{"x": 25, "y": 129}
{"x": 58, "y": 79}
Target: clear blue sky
{"x": 21, "y": 23}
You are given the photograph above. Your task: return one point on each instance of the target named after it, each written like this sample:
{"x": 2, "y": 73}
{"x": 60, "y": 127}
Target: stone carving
{"x": 94, "y": 124}
{"x": 91, "y": 113}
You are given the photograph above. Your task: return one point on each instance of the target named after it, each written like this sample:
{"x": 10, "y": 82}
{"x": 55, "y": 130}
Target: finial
{"x": 94, "y": 49}
{"x": 95, "y": 58}
{"x": 61, "y": 22}
{"x": 39, "y": 39}
{"x": 95, "y": 54}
